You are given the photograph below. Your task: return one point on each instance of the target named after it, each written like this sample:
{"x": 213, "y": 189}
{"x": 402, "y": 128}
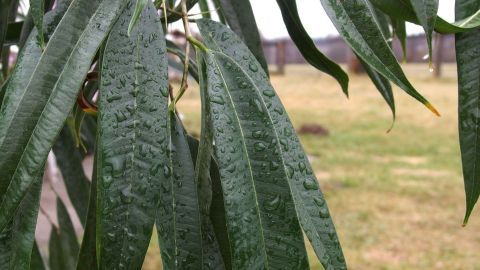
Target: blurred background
{"x": 397, "y": 198}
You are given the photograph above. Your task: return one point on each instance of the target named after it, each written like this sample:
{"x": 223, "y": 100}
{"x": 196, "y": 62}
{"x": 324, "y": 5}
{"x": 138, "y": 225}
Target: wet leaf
{"x": 36, "y": 11}
{"x": 272, "y": 136}
{"x": 131, "y": 143}
{"x": 426, "y": 11}
{"x": 468, "y": 65}
{"x": 48, "y": 96}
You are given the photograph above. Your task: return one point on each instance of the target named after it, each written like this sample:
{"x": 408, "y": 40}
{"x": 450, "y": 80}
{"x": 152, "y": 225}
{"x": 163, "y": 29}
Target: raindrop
{"x": 259, "y": 146}
{"x": 269, "y": 93}
{"x": 310, "y": 184}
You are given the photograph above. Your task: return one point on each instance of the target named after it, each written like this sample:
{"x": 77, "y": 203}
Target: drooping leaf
{"x": 240, "y": 18}
{"x": 132, "y": 121}
{"x": 426, "y": 11}
{"x": 87, "y": 257}
{"x": 312, "y": 210}
{"x": 36, "y": 11}
{"x": 63, "y": 244}
{"x": 400, "y": 31}
{"x": 356, "y": 24}
{"x": 307, "y": 47}
{"x": 468, "y": 65}
{"x": 69, "y": 161}
{"x": 380, "y": 82}
{"x": 179, "y": 224}
{"x": 17, "y": 240}
{"x": 36, "y": 262}
{"x": 48, "y": 97}
{"x": 5, "y": 9}
{"x": 202, "y": 152}
{"x": 403, "y": 10}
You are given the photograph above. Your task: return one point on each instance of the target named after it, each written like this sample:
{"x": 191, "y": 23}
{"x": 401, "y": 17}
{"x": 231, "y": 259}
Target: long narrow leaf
{"x": 240, "y": 18}
{"x": 36, "y": 262}
{"x": 426, "y": 11}
{"x": 131, "y": 144}
{"x": 63, "y": 244}
{"x": 355, "y": 21}
{"x": 468, "y": 65}
{"x": 36, "y": 10}
{"x": 69, "y": 161}
{"x": 307, "y": 47}
{"x": 309, "y": 203}
{"x": 49, "y": 97}
{"x": 179, "y": 223}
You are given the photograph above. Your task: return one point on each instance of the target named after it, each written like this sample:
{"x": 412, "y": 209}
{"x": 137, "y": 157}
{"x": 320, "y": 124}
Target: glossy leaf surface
{"x": 240, "y": 18}
{"x": 131, "y": 143}
{"x": 179, "y": 223}
{"x": 52, "y": 90}
{"x": 36, "y": 11}
{"x": 307, "y": 47}
{"x": 468, "y": 66}
{"x": 426, "y": 11}
{"x": 356, "y": 24}
{"x": 309, "y": 203}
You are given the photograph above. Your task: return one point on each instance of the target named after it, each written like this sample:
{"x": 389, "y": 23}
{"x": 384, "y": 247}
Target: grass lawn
{"x": 397, "y": 199}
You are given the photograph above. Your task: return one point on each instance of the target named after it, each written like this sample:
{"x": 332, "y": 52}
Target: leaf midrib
{"x": 247, "y": 156}
{"x": 278, "y": 147}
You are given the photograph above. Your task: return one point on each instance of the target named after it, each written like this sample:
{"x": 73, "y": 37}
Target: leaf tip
{"x": 432, "y": 108}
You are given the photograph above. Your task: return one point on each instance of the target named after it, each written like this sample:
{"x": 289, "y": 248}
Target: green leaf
{"x": 139, "y": 6}
{"x": 400, "y": 31}
{"x": 383, "y": 86}
{"x": 202, "y": 152}
{"x": 37, "y": 262}
{"x": 218, "y": 8}
{"x": 204, "y": 8}
{"x": 179, "y": 224}
{"x": 426, "y": 11}
{"x": 63, "y": 244}
{"x": 240, "y": 18}
{"x": 36, "y": 10}
{"x": 403, "y": 10}
{"x": 48, "y": 97}
{"x": 16, "y": 241}
{"x": 468, "y": 65}
{"x": 309, "y": 203}
{"x": 87, "y": 258}
{"x": 176, "y": 15}
{"x": 356, "y": 24}
{"x": 4, "y": 10}
{"x": 131, "y": 143}
{"x": 307, "y": 47}
{"x": 249, "y": 164}
{"x": 69, "y": 161}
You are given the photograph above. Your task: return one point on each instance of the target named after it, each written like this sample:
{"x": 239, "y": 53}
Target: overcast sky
{"x": 269, "y": 18}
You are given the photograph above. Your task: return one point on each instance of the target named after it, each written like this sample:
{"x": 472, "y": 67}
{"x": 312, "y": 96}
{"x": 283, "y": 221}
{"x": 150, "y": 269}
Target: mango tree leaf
{"x": 63, "y": 244}
{"x": 468, "y": 64}
{"x": 403, "y": 10}
{"x": 69, "y": 161}
{"x": 218, "y": 8}
{"x": 202, "y": 152}
{"x": 131, "y": 146}
{"x": 13, "y": 33}
{"x": 356, "y": 24}
{"x": 240, "y": 18}
{"x": 5, "y": 9}
{"x": 36, "y": 11}
{"x": 400, "y": 31}
{"x": 87, "y": 257}
{"x": 307, "y": 47}
{"x": 426, "y": 11}
{"x": 36, "y": 118}
{"x": 36, "y": 262}
{"x": 309, "y": 203}
{"x": 179, "y": 224}
{"x": 380, "y": 82}
{"x": 16, "y": 241}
